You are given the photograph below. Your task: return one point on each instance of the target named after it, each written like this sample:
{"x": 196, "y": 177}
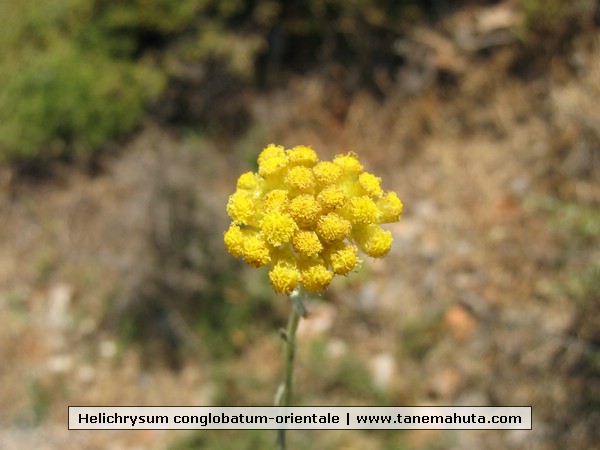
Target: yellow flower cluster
{"x": 307, "y": 218}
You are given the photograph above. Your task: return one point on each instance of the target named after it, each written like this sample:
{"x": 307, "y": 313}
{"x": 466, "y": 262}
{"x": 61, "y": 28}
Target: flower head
{"x": 307, "y": 219}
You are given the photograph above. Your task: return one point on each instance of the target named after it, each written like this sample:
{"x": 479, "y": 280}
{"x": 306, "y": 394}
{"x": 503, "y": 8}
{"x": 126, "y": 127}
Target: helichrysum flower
{"x": 307, "y": 219}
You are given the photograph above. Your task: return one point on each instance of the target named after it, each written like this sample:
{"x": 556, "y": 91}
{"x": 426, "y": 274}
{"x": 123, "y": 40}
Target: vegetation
{"x": 77, "y": 74}
{"x": 64, "y": 92}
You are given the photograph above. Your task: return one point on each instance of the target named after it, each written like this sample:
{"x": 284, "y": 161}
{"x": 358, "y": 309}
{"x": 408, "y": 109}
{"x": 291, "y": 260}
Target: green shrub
{"x": 548, "y": 26}
{"x": 78, "y": 73}
{"x": 68, "y": 100}
{"x": 59, "y": 96}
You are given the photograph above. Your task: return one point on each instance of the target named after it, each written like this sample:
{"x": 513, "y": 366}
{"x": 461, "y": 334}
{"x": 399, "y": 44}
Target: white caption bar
{"x": 299, "y": 418}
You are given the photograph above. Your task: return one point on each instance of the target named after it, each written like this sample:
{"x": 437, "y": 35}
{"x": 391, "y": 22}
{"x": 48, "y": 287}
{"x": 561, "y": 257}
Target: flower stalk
{"x": 284, "y": 393}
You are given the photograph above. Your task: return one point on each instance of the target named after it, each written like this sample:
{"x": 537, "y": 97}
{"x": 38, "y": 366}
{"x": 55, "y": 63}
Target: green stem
{"x": 284, "y": 396}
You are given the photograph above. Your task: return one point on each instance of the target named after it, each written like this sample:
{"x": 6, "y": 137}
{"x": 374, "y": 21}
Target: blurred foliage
{"x": 542, "y": 16}
{"x": 213, "y": 439}
{"x": 549, "y": 26}
{"x": 339, "y": 376}
{"x": 577, "y": 227}
{"x": 59, "y": 94}
{"x": 76, "y": 74}
{"x": 180, "y": 292}
{"x": 298, "y": 439}
{"x": 579, "y": 222}
{"x": 40, "y": 399}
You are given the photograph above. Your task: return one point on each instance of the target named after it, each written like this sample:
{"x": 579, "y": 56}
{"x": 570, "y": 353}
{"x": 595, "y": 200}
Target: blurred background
{"x": 124, "y": 125}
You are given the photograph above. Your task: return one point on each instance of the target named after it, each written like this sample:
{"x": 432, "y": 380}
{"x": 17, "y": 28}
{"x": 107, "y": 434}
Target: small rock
{"x": 107, "y": 348}
{"x": 383, "y": 369}
{"x": 445, "y": 383}
{"x": 461, "y": 322}
{"x": 60, "y": 364}
{"x": 368, "y": 297}
{"x": 319, "y": 321}
{"x": 336, "y": 348}
{"x": 59, "y": 297}
{"x": 85, "y": 374}
{"x": 498, "y": 17}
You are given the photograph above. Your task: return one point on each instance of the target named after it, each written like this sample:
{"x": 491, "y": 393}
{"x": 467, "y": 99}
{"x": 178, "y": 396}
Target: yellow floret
{"x": 305, "y": 210}
{"x": 272, "y": 166}
{"x": 316, "y": 277}
{"x": 277, "y": 228}
{"x": 248, "y": 181}
{"x": 370, "y": 184}
{"x": 390, "y": 208}
{"x": 256, "y": 251}
{"x": 307, "y": 244}
{"x": 234, "y": 240}
{"x": 240, "y": 207}
{"x": 327, "y": 173}
{"x": 332, "y": 228}
{"x": 271, "y": 151}
{"x": 302, "y": 155}
{"x": 373, "y": 240}
{"x": 332, "y": 198}
{"x": 343, "y": 258}
{"x": 300, "y": 178}
{"x": 363, "y": 210}
{"x": 276, "y": 200}
{"x": 284, "y": 277}
{"x": 349, "y": 163}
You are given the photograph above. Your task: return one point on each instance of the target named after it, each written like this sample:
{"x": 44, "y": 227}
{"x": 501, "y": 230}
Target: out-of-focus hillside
{"x": 115, "y": 287}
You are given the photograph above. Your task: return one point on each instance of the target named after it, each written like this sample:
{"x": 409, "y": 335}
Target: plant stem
{"x": 284, "y": 396}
